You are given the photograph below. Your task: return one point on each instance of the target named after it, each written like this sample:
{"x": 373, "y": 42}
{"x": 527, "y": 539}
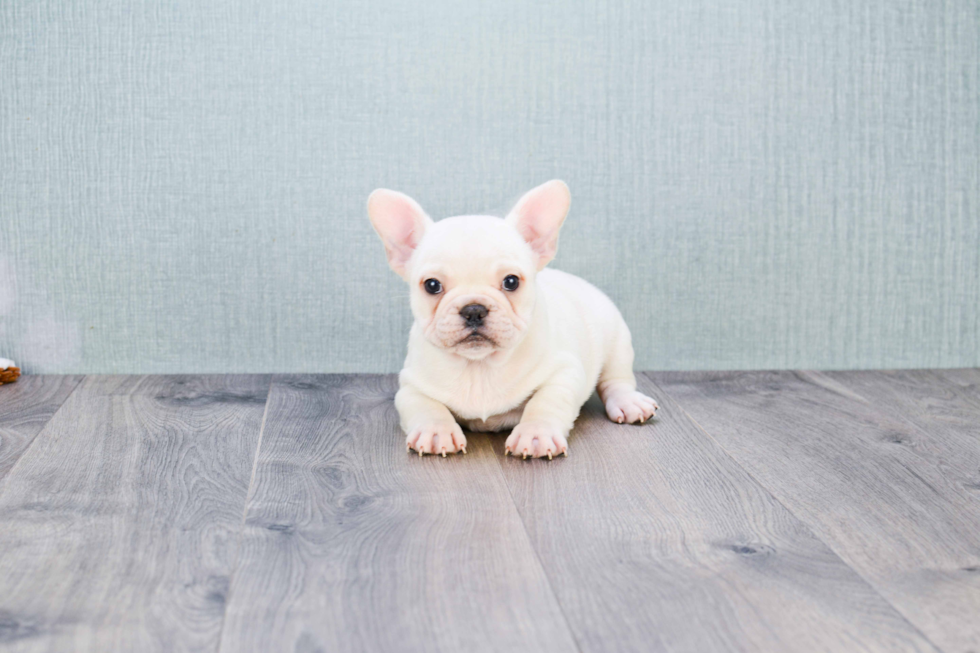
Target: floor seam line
{"x": 241, "y": 525}
{"x": 527, "y": 536}
{"x": 37, "y": 435}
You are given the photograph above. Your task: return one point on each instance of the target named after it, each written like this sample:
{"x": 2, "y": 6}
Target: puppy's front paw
{"x": 630, "y": 407}
{"x": 536, "y": 439}
{"x": 436, "y": 438}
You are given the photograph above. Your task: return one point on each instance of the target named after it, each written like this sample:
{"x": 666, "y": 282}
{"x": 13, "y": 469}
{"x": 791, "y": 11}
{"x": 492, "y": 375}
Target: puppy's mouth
{"x": 476, "y": 338}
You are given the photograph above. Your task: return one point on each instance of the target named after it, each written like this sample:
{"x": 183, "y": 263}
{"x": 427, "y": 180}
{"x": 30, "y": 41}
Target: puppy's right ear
{"x": 400, "y": 222}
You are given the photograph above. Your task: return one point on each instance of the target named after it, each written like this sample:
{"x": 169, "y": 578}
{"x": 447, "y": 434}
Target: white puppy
{"x": 498, "y": 342}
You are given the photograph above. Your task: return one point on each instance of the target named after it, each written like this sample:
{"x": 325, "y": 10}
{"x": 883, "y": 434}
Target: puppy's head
{"x": 472, "y": 277}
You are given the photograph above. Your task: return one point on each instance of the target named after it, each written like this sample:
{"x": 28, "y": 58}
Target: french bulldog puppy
{"x": 498, "y": 341}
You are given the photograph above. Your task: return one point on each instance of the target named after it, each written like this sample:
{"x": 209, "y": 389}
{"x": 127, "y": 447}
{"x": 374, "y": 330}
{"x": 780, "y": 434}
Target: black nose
{"x": 473, "y": 314}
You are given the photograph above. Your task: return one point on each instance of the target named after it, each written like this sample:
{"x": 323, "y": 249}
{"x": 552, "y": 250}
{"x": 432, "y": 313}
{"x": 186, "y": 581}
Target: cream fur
{"x": 542, "y": 349}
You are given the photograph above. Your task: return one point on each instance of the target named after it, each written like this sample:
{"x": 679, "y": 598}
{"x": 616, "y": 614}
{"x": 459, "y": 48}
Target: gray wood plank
{"x": 881, "y": 492}
{"x": 944, "y": 405}
{"x": 118, "y": 526}
{"x": 25, "y": 407}
{"x": 655, "y": 540}
{"x": 353, "y": 544}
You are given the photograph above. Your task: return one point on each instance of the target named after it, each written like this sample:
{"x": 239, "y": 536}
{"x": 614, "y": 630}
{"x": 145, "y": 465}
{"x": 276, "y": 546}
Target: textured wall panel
{"x": 756, "y": 183}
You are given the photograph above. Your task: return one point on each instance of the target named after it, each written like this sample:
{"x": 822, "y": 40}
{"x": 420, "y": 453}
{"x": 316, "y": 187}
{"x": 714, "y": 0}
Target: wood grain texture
{"x": 884, "y": 490}
{"x": 120, "y": 522}
{"x": 352, "y": 544}
{"x": 25, "y": 407}
{"x": 944, "y": 407}
{"x": 655, "y": 540}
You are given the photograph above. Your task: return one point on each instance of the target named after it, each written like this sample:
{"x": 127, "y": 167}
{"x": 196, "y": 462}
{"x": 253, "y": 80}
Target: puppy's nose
{"x": 473, "y": 314}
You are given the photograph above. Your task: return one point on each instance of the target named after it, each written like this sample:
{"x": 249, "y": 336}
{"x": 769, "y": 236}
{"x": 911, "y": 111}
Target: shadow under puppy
{"x": 498, "y": 341}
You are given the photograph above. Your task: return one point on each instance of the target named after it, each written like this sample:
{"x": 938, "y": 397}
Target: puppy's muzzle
{"x": 473, "y": 315}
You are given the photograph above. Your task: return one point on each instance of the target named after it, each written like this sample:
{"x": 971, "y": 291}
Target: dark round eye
{"x": 433, "y": 287}
{"x": 511, "y": 282}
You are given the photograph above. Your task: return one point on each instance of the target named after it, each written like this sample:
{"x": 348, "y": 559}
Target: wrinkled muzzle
{"x": 475, "y": 325}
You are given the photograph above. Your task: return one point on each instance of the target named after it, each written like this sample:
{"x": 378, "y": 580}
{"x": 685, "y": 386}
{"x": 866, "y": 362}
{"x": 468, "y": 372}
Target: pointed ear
{"x": 538, "y": 217}
{"x": 400, "y": 222}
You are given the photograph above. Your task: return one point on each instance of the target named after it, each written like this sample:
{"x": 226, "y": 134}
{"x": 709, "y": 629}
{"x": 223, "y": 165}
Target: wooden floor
{"x": 761, "y": 511}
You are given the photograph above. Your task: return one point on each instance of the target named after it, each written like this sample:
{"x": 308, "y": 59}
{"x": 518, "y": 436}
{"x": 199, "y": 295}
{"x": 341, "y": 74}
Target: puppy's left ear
{"x": 538, "y": 217}
{"x": 400, "y": 222}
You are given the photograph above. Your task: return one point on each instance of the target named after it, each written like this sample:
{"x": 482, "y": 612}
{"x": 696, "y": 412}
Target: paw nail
{"x": 565, "y": 452}
{"x": 464, "y": 451}
{"x": 444, "y": 453}
{"x": 525, "y": 455}
{"x": 549, "y": 455}
{"x": 420, "y": 453}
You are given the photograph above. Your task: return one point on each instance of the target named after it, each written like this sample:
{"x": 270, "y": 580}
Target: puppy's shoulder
{"x": 556, "y": 282}
{"x": 567, "y": 294}
{"x": 552, "y": 278}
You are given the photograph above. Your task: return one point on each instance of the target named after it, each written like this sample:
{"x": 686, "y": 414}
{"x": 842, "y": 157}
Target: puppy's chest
{"x": 485, "y": 394}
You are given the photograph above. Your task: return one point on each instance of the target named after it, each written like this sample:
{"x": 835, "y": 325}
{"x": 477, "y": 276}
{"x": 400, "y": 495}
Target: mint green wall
{"x": 757, "y": 184}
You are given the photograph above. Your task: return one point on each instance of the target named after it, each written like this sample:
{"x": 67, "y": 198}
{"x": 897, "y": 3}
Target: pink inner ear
{"x": 535, "y": 209}
{"x": 403, "y": 232}
{"x": 401, "y": 224}
{"x": 402, "y": 236}
{"x": 540, "y": 241}
{"x": 538, "y": 217}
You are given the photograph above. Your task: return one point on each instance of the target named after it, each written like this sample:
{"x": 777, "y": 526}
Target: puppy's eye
{"x": 432, "y": 286}
{"x": 511, "y": 282}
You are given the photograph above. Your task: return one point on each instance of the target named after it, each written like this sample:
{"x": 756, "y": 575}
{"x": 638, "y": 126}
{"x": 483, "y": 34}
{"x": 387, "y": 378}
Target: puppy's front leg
{"x": 548, "y": 417}
{"x": 429, "y": 424}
